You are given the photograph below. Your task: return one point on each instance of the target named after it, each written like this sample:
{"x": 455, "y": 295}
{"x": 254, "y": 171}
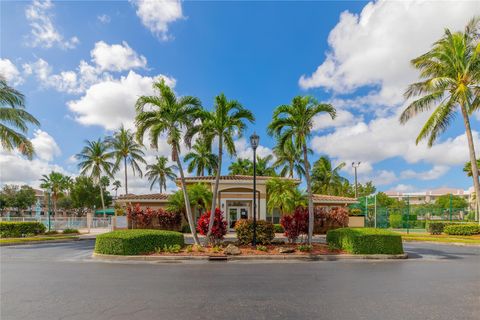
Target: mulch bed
{"x": 318, "y": 249}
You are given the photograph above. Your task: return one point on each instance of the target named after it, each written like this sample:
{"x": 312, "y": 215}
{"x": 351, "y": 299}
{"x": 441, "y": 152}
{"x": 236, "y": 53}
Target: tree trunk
{"x": 160, "y": 183}
{"x": 215, "y": 190}
{"x": 188, "y": 208}
{"x": 55, "y": 197}
{"x": 309, "y": 191}
{"x": 103, "y": 202}
{"x": 126, "y": 179}
{"x": 473, "y": 160}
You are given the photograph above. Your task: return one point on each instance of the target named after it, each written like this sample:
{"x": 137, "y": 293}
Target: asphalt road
{"x": 61, "y": 281}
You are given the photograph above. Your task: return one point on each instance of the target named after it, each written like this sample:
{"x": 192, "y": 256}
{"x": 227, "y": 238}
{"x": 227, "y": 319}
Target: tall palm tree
{"x": 326, "y": 179}
{"x": 294, "y": 122}
{"x": 159, "y": 172}
{"x": 96, "y": 160}
{"x": 240, "y": 167}
{"x": 450, "y": 74}
{"x": 201, "y": 158}
{"x": 126, "y": 148}
{"x": 281, "y": 195}
{"x": 116, "y": 185}
{"x": 200, "y": 199}
{"x": 289, "y": 160}
{"x": 14, "y": 117}
{"x": 226, "y": 121}
{"x": 263, "y": 167}
{"x": 468, "y": 167}
{"x": 166, "y": 114}
{"x": 57, "y": 184}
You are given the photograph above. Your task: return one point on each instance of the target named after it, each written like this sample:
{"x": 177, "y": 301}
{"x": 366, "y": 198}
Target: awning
{"x": 110, "y": 212}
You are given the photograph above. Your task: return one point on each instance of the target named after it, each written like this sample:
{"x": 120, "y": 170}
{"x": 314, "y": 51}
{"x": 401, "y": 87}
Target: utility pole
{"x": 355, "y": 165}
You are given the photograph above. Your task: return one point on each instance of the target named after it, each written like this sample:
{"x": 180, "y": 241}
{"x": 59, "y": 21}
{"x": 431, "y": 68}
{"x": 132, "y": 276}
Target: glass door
{"x": 232, "y": 217}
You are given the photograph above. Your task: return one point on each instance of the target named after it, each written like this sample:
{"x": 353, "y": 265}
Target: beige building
{"x": 235, "y": 197}
{"x": 429, "y": 196}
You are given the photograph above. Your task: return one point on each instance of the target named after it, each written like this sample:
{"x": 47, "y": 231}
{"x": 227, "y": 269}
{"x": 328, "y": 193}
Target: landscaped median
{"x": 160, "y": 245}
{"x": 12, "y": 233}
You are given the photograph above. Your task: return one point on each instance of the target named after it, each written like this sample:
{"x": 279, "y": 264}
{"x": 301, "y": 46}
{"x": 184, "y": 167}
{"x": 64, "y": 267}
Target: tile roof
{"x": 323, "y": 198}
{"x": 233, "y": 178}
{"x": 153, "y": 196}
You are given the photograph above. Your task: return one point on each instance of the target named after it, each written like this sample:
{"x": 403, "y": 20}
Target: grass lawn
{"x": 441, "y": 238}
{"x": 36, "y": 239}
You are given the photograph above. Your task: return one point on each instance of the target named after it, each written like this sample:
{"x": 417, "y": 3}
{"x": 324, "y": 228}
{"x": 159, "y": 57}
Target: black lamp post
{"x": 254, "y": 139}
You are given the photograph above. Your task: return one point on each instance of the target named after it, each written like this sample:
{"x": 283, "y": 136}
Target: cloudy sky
{"x": 82, "y": 65}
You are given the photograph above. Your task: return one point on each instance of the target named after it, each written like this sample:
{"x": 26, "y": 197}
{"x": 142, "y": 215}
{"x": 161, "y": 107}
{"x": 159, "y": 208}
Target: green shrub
{"x": 278, "y": 228}
{"x": 186, "y": 228}
{"x": 365, "y": 241}
{"x": 170, "y": 249}
{"x": 138, "y": 241}
{"x": 462, "y": 229}
{"x": 244, "y": 230}
{"x": 262, "y": 248}
{"x": 436, "y": 227}
{"x": 395, "y": 220}
{"x": 70, "y": 230}
{"x": 305, "y": 248}
{"x": 51, "y": 232}
{"x": 9, "y": 229}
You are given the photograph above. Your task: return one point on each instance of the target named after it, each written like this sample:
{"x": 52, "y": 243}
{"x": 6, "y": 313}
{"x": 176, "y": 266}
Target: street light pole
{"x": 254, "y": 139}
{"x": 49, "y": 212}
{"x": 355, "y": 165}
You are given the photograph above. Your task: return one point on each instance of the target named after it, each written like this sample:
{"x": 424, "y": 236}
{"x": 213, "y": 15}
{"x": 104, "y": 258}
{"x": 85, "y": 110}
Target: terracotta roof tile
{"x": 232, "y": 178}
{"x": 323, "y": 198}
{"x": 153, "y": 196}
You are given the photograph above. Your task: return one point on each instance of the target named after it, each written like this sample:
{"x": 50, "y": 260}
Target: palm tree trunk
{"x": 103, "y": 202}
{"x": 215, "y": 189}
{"x": 160, "y": 183}
{"x": 55, "y": 197}
{"x": 473, "y": 160}
{"x": 309, "y": 191}
{"x": 126, "y": 179}
{"x": 188, "y": 208}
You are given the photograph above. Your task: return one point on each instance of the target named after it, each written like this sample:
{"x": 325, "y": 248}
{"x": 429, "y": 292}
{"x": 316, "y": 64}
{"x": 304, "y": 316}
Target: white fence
{"x": 61, "y": 223}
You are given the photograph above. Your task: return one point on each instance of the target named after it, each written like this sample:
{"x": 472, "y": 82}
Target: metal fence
{"x": 61, "y": 223}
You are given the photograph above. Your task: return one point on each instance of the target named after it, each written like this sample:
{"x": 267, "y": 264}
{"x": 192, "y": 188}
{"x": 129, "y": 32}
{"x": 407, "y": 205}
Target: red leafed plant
{"x": 339, "y": 215}
{"x": 139, "y": 217}
{"x": 219, "y": 228}
{"x": 169, "y": 220}
{"x": 332, "y": 218}
{"x": 295, "y": 224}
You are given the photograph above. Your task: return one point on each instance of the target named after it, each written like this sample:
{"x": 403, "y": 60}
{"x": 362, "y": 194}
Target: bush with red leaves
{"x": 327, "y": 219}
{"x": 296, "y": 224}
{"x": 169, "y": 220}
{"x": 141, "y": 218}
{"x": 219, "y": 228}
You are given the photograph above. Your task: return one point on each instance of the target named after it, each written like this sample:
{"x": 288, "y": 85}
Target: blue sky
{"x": 352, "y": 54}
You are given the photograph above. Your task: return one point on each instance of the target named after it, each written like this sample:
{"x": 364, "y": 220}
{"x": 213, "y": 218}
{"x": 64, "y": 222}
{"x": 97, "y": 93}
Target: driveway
{"x": 61, "y": 281}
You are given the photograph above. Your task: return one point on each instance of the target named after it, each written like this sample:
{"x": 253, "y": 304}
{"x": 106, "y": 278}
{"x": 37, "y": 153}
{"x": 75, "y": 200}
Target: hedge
{"x": 278, "y": 228}
{"x": 244, "y": 230}
{"x": 9, "y": 229}
{"x": 462, "y": 229}
{"x": 365, "y": 241}
{"x": 436, "y": 227}
{"x": 138, "y": 241}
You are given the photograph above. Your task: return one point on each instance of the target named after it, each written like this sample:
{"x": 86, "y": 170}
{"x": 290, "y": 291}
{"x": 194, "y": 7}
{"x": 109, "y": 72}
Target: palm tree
{"x": 263, "y": 167}
{"x": 56, "y": 183}
{"x": 126, "y": 148}
{"x": 14, "y": 117}
{"x": 468, "y": 167}
{"x": 201, "y": 158}
{"x": 224, "y": 122}
{"x": 281, "y": 194}
{"x": 159, "y": 172}
{"x": 326, "y": 179}
{"x": 240, "y": 167}
{"x": 450, "y": 74}
{"x": 116, "y": 185}
{"x": 289, "y": 159}
{"x": 96, "y": 161}
{"x": 169, "y": 115}
{"x": 200, "y": 199}
{"x": 294, "y": 123}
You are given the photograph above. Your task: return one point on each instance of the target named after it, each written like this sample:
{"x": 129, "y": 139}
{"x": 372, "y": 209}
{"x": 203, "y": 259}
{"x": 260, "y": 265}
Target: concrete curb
{"x": 460, "y": 244}
{"x": 284, "y": 257}
{"x": 42, "y": 242}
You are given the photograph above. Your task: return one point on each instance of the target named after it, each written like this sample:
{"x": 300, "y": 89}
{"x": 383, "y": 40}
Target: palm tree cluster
{"x": 264, "y": 167}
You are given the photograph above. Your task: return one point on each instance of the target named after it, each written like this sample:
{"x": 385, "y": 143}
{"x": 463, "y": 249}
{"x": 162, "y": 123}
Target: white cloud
{"x": 403, "y": 188}
{"x": 116, "y": 57}
{"x": 157, "y": 15}
{"x": 10, "y": 72}
{"x": 44, "y": 33}
{"x": 111, "y": 103}
{"x": 244, "y": 151}
{"x": 46, "y": 148}
{"x": 432, "y": 174}
{"x": 383, "y": 177}
{"x": 374, "y": 48}
{"x": 104, "y": 18}
{"x": 343, "y": 118}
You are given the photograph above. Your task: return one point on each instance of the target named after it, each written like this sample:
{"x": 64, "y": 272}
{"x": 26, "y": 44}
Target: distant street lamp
{"x": 254, "y": 139}
{"x": 355, "y": 165}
